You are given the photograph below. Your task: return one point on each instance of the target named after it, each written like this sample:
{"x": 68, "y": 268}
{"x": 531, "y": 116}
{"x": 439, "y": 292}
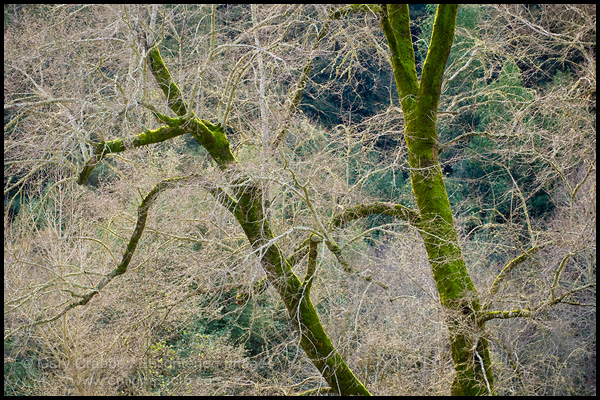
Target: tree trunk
{"x": 419, "y": 102}
{"x": 246, "y": 205}
{"x": 296, "y": 296}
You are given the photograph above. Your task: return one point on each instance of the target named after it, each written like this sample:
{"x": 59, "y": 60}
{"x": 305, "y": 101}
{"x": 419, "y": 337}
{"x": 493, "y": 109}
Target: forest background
{"x": 193, "y": 313}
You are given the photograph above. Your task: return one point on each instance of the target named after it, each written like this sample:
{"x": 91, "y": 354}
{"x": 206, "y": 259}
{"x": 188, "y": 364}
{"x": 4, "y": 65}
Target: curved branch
{"x": 311, "y": 268}
{"x": 122, "y": 267}
{"x": 341, "y": 219}
{"x": 365, "y": 210}
{"x": 509, "y": 267}
{"x": 118, "y": 145}
{"x": 578, "y": 186}
{"x": 558, "y": 273}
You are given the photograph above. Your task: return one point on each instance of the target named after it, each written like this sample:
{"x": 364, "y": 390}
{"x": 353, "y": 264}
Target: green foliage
{"x": 468, "y": 16}
{"x": 20, "y": 372}
{"x": 256, "y": 325}
{"x": 484, "y": 187}
{"x": 346, "y": 86}
{"x": 561, "y": 78}
{"x": 498, "y": 104}
{"x": 484, "y": 180}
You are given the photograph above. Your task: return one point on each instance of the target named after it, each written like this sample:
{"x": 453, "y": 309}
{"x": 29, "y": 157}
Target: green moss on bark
{"x": 165, "y": 82}
{"x": 119, "y": 145}
{"x": 213, "y": 139}
{"x": 313, "y": 338}
{"x": 436, "y": 226}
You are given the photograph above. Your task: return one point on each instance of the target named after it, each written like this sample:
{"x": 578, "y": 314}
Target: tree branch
{"x": 437, "y": 56}
{"x": 509, "y": 267}
{"x": 212, "y": 137}
{"x": 127, "y": 256}
{"x": 311, "y": 267}
{"x": 489, "y": 315}
{"x": 527, "y": 313}
{"x": 395, "y": 22}
{"x": 118, "y": 145}
{"x": 174, "y": 97}
{"x": 365, "y": 210}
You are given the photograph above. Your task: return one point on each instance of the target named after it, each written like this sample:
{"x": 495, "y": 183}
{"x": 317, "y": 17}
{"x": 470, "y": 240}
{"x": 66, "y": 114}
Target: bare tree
{"x": 118, "y": 100}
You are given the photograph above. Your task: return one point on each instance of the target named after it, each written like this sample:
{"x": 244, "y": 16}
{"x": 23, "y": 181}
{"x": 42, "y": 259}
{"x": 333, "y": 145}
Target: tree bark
{"x": 250, "y": 214}
{"x": 419, "y": 101}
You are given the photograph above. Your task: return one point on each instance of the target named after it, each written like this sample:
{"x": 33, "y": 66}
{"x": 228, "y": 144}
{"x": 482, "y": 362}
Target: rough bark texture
{"x": 419, "y": 104}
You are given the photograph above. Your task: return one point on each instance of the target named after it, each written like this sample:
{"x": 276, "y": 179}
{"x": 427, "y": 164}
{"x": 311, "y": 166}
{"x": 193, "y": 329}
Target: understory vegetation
{"x": 305, "y": 99}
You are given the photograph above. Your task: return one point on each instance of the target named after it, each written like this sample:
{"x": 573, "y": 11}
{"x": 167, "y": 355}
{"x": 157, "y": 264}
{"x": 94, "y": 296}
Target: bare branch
{"x": 127, "y": 256}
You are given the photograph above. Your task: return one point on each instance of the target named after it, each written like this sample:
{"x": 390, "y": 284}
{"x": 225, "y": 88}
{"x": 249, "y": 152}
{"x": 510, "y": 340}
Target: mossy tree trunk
{"x": 419, "y": 102}
{"x": 246, "y": 205}
{"x": 434, "y": 218}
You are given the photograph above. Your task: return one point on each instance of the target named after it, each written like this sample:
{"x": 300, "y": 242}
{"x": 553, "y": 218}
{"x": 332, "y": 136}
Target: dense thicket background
{"x": 517, "y": 126}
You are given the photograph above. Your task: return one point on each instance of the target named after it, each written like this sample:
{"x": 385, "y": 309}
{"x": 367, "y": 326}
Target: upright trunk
{"x": 457, "y": 292}
{"x": 419, "y": 102}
